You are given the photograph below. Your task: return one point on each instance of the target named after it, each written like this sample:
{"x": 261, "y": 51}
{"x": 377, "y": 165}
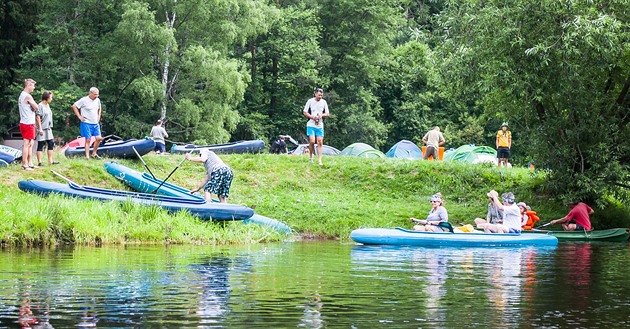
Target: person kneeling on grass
{"x": 511, "y": 214}
{"x": 437, "y": 220}
{"x": 218, "y": 176}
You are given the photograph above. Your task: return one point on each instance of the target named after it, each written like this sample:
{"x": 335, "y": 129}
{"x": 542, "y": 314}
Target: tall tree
{"x": 560, "y": 72}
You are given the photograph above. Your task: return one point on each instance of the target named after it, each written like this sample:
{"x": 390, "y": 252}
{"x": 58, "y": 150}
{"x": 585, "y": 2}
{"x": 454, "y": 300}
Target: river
{"x": 316, "y": 285}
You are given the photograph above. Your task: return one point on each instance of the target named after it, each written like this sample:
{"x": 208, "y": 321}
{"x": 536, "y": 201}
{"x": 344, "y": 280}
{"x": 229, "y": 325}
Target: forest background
{"x": 222, "y": 70}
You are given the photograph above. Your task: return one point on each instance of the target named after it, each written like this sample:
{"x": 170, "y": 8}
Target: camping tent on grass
{"x": 472, "y": 154}
{"x": 406, "y": 150}
{"x": 362, "y": 150}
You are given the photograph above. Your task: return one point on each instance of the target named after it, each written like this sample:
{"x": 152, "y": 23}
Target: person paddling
{"x": 578, "y": 219}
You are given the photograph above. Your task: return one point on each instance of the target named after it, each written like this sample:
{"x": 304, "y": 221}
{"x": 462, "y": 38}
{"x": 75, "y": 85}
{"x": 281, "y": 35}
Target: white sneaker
{"x": 320, "y": 163}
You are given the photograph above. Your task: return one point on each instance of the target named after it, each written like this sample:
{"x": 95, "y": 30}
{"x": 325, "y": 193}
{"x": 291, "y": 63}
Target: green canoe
{"x": 613, "y": 234}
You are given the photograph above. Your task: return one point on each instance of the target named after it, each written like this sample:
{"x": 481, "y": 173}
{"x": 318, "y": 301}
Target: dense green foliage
{"x": 322, "y": 202}
{"x": 558, "y": 71}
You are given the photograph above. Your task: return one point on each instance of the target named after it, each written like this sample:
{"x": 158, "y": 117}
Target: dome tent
{"x": 405, "y": 150}
{"x": 362, "y": 150}
{"x": 472, "y": 154}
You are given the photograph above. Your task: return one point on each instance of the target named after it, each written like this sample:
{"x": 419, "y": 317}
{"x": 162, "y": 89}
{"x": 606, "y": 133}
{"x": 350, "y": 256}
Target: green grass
{"x": 317, "y": 202}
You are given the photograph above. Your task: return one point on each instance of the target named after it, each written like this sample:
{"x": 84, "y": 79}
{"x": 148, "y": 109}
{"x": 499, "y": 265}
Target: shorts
{"x": 159, "y": 147}
{"x": 318, "y": 132}
{"x": 503, "y": 152}
{"x": 514, "y": 231}
{"x": 50, "y": 144}
{"x": 90, "y": 129}
{"x": 431, "y": 151}
{"x": 220, "y": 182}
{"x": 27, "y": 131}
{"x": 578, "y": 227}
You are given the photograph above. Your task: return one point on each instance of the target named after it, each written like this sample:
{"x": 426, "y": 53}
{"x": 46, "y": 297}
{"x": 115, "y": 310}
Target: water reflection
{"x": 213, "y": 290}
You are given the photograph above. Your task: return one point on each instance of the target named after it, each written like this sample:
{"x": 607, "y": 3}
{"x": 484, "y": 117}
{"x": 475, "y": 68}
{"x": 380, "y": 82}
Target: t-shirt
{"x": 438, "y": 215}
{"x": 213, "y": 162}
{"x": 89, "y": 108}
{"x": 580, "y": 214}
{"x": 27, "y": 115}
{"x": 434, "y": 138}
{"x": 45, "y": 115}
{"x": 494, "y": 213}
{"x": 315, "y": 108}
{"x": 504, "y": 138}
{"x": 512, "y": 217}
{"x": 158, "y": 133}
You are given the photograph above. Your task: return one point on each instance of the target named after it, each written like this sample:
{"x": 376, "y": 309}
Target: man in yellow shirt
{"x": 504, "y": 144}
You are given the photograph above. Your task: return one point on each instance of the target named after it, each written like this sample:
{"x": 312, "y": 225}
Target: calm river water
{"x": 316, "y": 285}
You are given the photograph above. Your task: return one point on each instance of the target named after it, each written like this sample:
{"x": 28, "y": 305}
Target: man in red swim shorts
{"x": 27, "y": 107}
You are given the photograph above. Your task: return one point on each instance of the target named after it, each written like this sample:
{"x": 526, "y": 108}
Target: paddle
{"x": 543, "y": 225}
{"x": 144, "y": 163}
{"x": 66, "y": 179}
{"x": 169, "y": 175}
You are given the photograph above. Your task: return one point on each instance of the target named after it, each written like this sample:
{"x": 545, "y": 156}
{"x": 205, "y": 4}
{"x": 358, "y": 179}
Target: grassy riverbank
{"x": 317, "y": 202}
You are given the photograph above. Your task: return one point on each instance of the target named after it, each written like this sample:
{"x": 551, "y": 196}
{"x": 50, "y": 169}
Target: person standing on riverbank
{"x": 27, "y": 107}
{"x": 158, "y": 133}
{"x": 218, "y": 176}
{"x": 433, "y": 140}
{"x": 88, "y": 109}
{"x": 316, "y": 109}
{"x": 44, "y": 132}
{"x": 504, "y": 145}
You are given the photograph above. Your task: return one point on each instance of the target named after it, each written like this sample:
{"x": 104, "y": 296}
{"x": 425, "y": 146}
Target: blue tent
{"x": 405, "y": 150}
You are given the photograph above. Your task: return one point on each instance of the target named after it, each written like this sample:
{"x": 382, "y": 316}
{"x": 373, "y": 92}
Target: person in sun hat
{"x": 523, "y": 207}
{"x": 511, "y": 214}
{"x": 493, "y": 216}
{"x": 218, "y": 179}
{"x": 504, "y": 144}
{"x": 437, "y": 220}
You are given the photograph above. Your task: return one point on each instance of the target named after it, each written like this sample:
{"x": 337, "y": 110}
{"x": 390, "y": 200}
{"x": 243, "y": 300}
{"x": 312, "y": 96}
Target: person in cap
{"x": 511, "y": 214}
{"x": 437, "y": 220}
{"x": 159, "y": 134}
{"x": 578, "y": 219}
{"x": 218, "y": 177}
{"x": 504, "y": 144}
{"x": 279, "y": 146}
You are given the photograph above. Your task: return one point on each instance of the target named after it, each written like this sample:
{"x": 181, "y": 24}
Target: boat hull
{"x": 117, "y": 149}
{"x": 609, "y": 235}
{"x": 250, "y": 146}
{"x": 6, "y": 157}
{"x": 198, "y": 208}
{"x": 143, "y": 182}
{"x": 403, "y": 237}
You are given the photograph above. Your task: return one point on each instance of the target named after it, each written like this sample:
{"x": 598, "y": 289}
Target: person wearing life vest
{"x": 528, "y": 216}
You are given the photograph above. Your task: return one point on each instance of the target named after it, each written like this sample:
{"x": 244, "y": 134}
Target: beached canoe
{"x": 144, "y": 182}
{"x": 16, "y": 153}
{"x": 250, "y": 146}
{"x": 198, "y": 208}
{"x": 610, "y": 235}
{"x": 404, "y": 237}
{"x": 116, "y": 149}
{"x": 6, "y": 158}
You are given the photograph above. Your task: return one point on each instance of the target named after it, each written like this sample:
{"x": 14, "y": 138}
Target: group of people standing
{"x": 36, "y": 122}
{"x": 504, "y": 216}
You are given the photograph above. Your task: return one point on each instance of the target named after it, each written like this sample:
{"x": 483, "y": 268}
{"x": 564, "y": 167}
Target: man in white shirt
{"x": 511, "y": 214}
{"x": 88, "y": 110}
{"x": 316, "y": 109}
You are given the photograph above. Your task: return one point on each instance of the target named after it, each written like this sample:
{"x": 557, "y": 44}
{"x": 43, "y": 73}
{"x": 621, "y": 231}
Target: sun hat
{"x": 522, "y": 204}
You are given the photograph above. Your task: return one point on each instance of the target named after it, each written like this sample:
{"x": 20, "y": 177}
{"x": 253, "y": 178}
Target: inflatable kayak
{"x": 116, "y": 149}
{"x": 143, "y": 182}
{"x": 16, "y": 153}
{"x": 610, "y": 235}
{"x": 198, "y": 208}
{"x": 6, "y": 158}
{"x": 404, "y": 237}
{"x": 249, "y": 146}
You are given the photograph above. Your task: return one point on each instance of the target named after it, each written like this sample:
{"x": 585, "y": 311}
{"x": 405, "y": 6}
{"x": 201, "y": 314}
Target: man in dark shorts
{"x": 504, "y": 144}
{"x": 578, "y": 219}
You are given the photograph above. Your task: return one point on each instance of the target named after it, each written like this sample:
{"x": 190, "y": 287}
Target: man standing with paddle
{"x": 578, "y": 219}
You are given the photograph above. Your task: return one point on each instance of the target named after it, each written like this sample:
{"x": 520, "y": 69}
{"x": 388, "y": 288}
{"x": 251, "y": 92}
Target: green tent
{"x": 472, "y": 154}
{"x": 362, "y": 150}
